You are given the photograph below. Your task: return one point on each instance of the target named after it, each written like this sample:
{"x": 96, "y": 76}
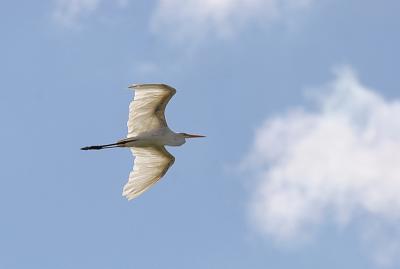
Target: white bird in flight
{"x": 148, "y": 134}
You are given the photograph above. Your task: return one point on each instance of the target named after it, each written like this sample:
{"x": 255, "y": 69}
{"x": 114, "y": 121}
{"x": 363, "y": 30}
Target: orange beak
{"x": 193, "y": 135}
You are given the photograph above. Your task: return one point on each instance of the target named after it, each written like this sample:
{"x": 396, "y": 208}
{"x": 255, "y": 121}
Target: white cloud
{"x": 69, "y": 12}
{"x": 334, "y": 163}
{"x": 190, "y": 19}
{"x": 194, "y": 19}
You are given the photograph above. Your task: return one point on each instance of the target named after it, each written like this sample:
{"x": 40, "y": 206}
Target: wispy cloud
{"x": 191, "y": 20}
{"x": 331, "y": 163}
{"x": 69, "y": 12}
{"x": 196, "y": 19}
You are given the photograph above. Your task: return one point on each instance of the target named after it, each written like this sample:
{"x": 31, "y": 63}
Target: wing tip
{"x": 129, "y": 195}
{"x": 147, "y": 85}
{"x": 129, "y": 198}
{"x": 132, "y": 86}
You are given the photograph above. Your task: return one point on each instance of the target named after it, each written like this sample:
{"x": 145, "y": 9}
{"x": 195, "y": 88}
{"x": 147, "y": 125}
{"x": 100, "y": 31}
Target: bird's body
{"x": 148, "y": 134}
{"x": 160, "y": 137}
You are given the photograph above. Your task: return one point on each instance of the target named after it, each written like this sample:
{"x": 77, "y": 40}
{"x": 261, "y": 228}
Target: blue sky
{"x": 299, "y": 101}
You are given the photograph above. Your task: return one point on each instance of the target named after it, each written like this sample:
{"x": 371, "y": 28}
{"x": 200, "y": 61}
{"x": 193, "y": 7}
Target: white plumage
{"x": 146, "y": 111}
{"x": 151, "y": 163}
{"x": 148, "y": 133}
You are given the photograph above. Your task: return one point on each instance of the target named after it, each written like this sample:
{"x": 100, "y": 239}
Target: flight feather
{"x": 146, "y": 111}
{"x": 151, "y": 163}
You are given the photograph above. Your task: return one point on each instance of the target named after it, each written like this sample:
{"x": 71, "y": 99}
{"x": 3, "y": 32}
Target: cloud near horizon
{"x": 331, "y": 164}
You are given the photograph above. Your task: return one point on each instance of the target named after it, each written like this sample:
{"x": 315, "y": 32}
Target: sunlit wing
{"x": 151, "y": 163}
{"x": 146, "y": 111}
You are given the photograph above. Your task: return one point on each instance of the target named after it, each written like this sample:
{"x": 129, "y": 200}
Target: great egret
{"x": 148, "y": 133}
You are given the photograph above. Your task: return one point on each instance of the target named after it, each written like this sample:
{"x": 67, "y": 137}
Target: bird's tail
{"x": 106, "y": 146}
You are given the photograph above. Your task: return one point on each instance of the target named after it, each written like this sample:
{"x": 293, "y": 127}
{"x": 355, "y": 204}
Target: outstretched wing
{"x": 151, "y": 163}
{"x": 146, "y": 111}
